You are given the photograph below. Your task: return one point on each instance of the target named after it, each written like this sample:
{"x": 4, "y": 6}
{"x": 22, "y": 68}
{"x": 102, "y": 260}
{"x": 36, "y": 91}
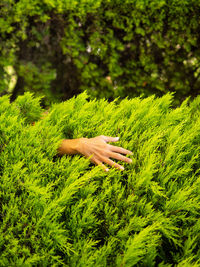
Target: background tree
{"x": 109, "y": 48}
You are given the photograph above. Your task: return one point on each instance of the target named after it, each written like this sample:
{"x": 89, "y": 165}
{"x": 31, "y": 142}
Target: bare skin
{"x": 97, "y": 150}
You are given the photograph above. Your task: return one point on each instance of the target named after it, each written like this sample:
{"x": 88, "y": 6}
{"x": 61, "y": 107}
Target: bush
{"x": 110, "y": 48}
{"x": 57, "y": 211}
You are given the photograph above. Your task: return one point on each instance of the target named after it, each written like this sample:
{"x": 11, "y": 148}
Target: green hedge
{"x": 64, "y": 211}
{"x": 60, "y": 48}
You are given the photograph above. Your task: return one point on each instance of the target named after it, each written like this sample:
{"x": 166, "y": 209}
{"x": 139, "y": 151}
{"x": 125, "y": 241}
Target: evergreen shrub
{"x": 60, "y": 48}
{"x": 64, "y": 211}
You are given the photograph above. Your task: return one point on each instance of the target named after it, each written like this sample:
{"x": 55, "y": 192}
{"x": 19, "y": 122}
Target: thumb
{"x": 110, "y": 139}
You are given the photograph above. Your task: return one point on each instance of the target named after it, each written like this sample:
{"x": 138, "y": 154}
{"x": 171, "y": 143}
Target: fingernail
{"x": 121, "y": 168}
{"x": 107, "y": 170}
{"x": 130, "y": 160}
{"x": 117, "y": 138}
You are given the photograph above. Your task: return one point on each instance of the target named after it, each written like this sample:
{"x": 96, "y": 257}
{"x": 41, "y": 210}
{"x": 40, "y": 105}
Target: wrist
{"x": 79, "y": 145}
{"x": 71, "y": 146}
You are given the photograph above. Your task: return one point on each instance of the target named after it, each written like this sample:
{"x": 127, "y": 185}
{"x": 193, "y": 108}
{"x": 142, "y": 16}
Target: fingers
{"x": 119, "y": 157}
{"x": 110, "y": 139}
{"x": 98, "y": 162}
{"x": 120, "y": 150}
{"x": 109, "y": 162}
{"x": 113, "y": 164}
{"x": 115, "y": 148}
{"x": 102, "y": 152}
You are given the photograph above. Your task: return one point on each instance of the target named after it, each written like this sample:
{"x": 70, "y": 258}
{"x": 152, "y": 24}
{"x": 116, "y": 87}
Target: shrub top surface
{"x": 64, "y": 211}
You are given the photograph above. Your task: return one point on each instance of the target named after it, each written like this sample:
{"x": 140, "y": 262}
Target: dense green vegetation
{"x": 59, "y": 48}
{"x": 64, "y": 211}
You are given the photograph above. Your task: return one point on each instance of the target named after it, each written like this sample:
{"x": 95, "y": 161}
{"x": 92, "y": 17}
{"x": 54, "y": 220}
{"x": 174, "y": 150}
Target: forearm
{"x": 69, "y": 146}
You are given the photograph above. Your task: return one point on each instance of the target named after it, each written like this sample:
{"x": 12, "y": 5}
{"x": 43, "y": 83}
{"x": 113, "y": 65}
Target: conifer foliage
{"x": 64, "y": 211}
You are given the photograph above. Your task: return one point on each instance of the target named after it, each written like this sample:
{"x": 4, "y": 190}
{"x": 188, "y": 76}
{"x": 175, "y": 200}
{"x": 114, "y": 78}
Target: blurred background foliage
{"x": 59, "y": 48}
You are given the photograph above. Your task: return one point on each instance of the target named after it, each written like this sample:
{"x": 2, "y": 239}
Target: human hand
{"x": 99, "y": 151}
